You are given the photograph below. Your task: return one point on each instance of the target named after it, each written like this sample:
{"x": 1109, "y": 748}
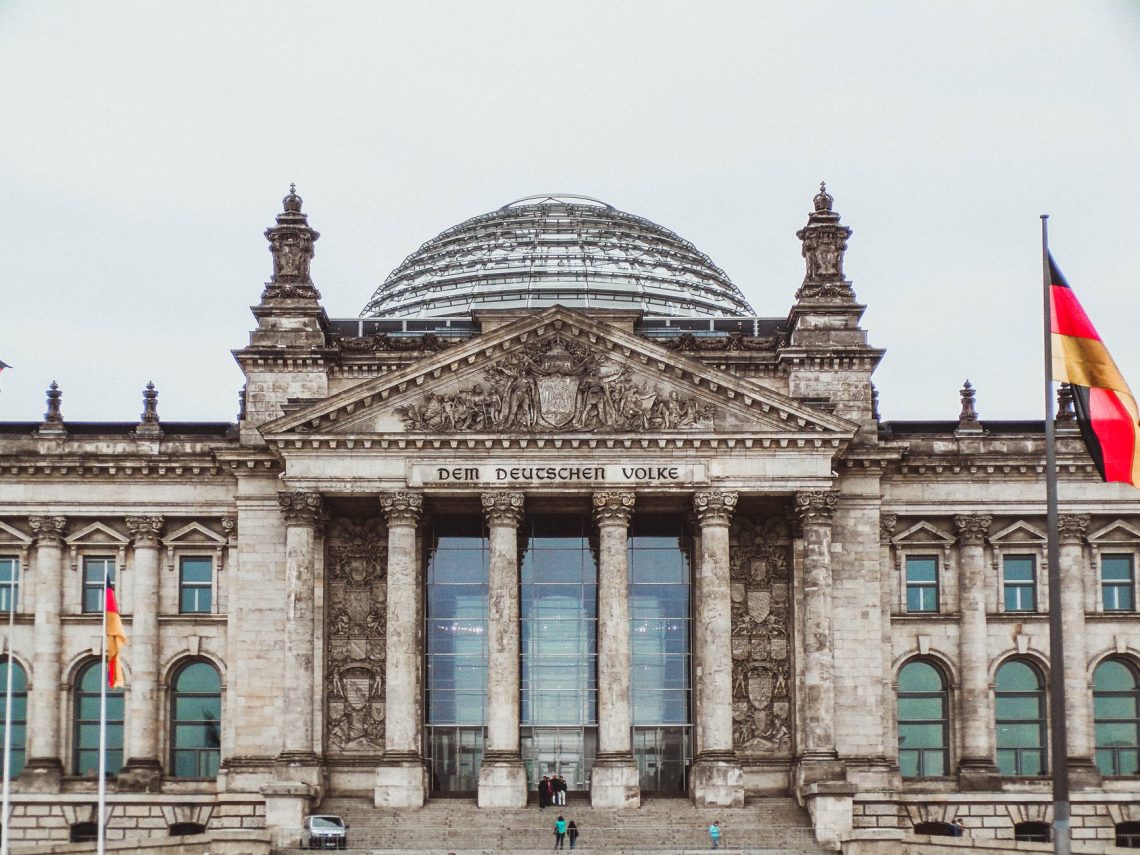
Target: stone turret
{"x": 287, "y": 352}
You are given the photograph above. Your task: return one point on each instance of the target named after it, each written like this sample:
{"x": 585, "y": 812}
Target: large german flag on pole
{"x": 1106, "y": 410}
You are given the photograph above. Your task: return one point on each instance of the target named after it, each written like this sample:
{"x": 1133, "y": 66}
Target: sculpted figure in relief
{"x": 557, "y": 384}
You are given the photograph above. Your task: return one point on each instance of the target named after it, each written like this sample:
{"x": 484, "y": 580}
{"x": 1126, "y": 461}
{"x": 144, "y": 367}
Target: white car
{"x": 324, "y": 832}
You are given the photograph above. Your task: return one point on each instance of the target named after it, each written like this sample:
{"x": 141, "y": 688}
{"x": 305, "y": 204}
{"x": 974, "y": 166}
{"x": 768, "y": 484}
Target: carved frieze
{"x": 557, "y": 384}
{"x": 382, "y": 342}
{"x": 761, "y": 644}
{"x": 356, "y": 558}
{"x": 688, "y": 343}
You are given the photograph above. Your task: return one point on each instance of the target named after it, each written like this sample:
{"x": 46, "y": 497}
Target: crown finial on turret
{"x": 291, "y": 244}
{"x": 292, "y": 202}
{"x": 823, "y": 200}
{"x": 824, "y": 243}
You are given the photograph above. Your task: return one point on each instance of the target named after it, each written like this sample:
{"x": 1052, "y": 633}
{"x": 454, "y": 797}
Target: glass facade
{"x": 660, "y": 573}
{"x": 19, "y": 713}
{"x": 559, "y": 658}
{"x": 86, "y": 754}
{"x": 456, "y": 639}
{"x": 1116, "y": 709}
{"x": 9, "y": 583}
{"x": 921, "y": 583}
{"x": 923, "y": 721}
{"x": 196, "y": 720}
{"x": 1019, "y": 582}
{"x": 1020, "y": 719}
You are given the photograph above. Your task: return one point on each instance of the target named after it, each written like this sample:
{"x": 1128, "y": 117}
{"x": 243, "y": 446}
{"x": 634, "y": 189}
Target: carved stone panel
{"x": 557, "y": 384}
{"x": 761, "y": 638}
{"x": 356, "y": 581}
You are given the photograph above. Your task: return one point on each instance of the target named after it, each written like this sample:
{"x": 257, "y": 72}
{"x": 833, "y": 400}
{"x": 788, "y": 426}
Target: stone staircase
{"x": 662, "y": 825}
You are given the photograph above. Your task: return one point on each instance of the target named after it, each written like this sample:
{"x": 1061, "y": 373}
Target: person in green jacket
{"x": 560, "y": 833}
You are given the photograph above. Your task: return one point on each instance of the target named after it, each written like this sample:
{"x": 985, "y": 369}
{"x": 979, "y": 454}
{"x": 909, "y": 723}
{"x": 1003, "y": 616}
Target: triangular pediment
{"x": 12, "y": 535}
{"x": 98, "y": 534}
{"x": 1117, "y": 532}
{"x": 560, "y": 372}
{"x": 923, "y": 533}
{"x": 195, "y": 534}
{"x": 1019, "y": 532}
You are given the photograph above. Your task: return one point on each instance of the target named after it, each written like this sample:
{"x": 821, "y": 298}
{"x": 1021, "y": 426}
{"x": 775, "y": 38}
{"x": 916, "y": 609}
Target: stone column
{"x": 143, "y": 769}
{"x": 502, "y": 777}
{"x": 716, "y": 779}
{"x": 1071, "y": 530}
{"x": 888, "y": 594}
{"x": 303, "y": 515}
{"x": 401, "y": 779}
{"x": 976, "y": 768}
{"x": 44, "y": 767}
{"x": 815, "y": 510}
{"x": 614, "y": 782}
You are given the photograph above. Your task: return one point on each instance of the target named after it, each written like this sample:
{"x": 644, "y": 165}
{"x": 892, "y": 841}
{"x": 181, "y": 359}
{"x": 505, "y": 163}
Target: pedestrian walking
{"x": 714, "y": 834}
{"x": 560, "y": 833}
{"x": 572, "y": 833}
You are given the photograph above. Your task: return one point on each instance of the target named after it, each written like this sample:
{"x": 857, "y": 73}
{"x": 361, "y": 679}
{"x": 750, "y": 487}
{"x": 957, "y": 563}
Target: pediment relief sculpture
{"x": 558, "y": 384}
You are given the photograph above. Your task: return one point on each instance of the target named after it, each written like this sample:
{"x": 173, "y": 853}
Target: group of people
{"x": 551, "y": 791}
{"x": 562, "y": 830}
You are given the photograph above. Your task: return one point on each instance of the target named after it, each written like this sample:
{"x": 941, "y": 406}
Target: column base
{"x": 717, "y": 780}
{"x": 41, "y": 775}
{"x": 1084, "y": 774}
{"x": 615, "y": 782}
{"x": 502, "y": 782}
{"x": 401, "y": 781}
{"x": 141, "y": 776}
{"x": 978, "y": 775}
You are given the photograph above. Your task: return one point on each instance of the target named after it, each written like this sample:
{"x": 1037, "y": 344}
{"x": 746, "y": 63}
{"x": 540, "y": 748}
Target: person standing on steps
{"x": 572, "y": 833}
{"x": 560, "y": 833}
{"x": 714, "y": 834}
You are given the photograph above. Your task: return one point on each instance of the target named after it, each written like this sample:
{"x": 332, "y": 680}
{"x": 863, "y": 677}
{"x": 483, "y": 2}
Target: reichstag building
{"x": 559, "y": 503}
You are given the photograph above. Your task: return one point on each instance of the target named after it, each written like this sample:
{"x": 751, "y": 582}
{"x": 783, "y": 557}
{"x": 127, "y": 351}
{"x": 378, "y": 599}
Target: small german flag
{"x": 1106, "y": 410}
{"x": 116, "y": 641}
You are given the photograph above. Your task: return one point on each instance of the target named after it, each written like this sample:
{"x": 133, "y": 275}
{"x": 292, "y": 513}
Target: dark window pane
{"x": 921, "y": 568}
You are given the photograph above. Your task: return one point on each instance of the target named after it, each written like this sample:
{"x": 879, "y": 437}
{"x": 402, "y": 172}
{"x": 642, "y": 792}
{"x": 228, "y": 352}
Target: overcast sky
{"x": 145, "y": 147}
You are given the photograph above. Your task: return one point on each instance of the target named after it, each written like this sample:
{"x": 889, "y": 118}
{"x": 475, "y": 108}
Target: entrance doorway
{"x": 565, "y": 751}
{"x": 662, "y": 756}
{"x": 454, "y": 757}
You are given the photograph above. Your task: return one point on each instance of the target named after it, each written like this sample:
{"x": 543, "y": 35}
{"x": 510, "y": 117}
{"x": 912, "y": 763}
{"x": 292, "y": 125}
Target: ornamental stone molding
{"x": 816, "y": 506}
{"x": 824, "y": 244}
{"x": 558, "y": 384}
{"x": 291, "y": 244}
{"x": 300, "y": 508}
{"x": 1072, "y": 528}
{"x": 613, "y": 507}
{"x": 503, "y": 507}
{"x": 402, "y": 507}
{"x": 714, "y": 507}
{"x": 887, "y": 523}
{"x": 48, "y": 531}
{"x": 146, "y": 530}
{"x": 972, "y": 528}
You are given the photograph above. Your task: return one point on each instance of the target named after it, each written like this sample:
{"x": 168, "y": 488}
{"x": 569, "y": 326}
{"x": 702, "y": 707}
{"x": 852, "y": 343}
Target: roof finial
{"x": 148, "y": 421}
{"x": 292, "y": 202}
{"x": 968, "y": 417}
{"x": 53, "y": 418}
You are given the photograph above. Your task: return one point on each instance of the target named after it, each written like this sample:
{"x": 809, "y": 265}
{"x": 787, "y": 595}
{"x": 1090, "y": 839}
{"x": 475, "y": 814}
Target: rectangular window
{"x": 195, "y": 584}
{"x": 1019, "y": 574}
{"x": 921, "y": 583}
{"x": 9, "y": 583}
{"x": 94, "y": 568}
{"x": 1116, "y": 583}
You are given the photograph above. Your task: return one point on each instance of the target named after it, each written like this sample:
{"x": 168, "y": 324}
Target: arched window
{"x": 1020, "y": 719}
{"x": 195, "y": 721}
{"x": 86, "y": 754}
{"x": 19, "y": 712}
{"x": 1116, "y": 705}
{"x": 923, "y": 721}
{"x": 1032, "y": 832}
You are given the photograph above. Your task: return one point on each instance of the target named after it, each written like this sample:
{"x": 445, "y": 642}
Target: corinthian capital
{"x": 503, "y": 507}
{"x": 146, "y": 530}
{"x": 303, "y": 509}
{"x": 816, "y": 506}
{"x": 48, "y": 531}
{"x": 972, "y": 528}
{"x": 714, "y": 507}
{"x": 613, "y": 507}
{"x": 1072, "y": 528}
{"x": 402, "y": 507}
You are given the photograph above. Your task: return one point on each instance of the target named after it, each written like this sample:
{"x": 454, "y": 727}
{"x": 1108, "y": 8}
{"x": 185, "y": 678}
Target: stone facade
{"x": 288, "y": 552}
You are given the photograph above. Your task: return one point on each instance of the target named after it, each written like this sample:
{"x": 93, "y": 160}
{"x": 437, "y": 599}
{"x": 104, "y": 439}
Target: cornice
{"x": 112, "y": 467}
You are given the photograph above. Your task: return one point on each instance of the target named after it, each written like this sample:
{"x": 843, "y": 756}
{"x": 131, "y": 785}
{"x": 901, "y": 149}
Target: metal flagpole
{"x": 103, "y": 720}
{"x": 12, "y": 582}
{"x": 1062, "y": 841}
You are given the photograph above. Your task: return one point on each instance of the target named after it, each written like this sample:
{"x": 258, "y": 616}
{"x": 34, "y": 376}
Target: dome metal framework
{"x": 557, "y": 249}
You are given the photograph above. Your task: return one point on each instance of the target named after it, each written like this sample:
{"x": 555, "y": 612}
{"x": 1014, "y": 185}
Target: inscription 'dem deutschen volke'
{"x": 565, "y": 473}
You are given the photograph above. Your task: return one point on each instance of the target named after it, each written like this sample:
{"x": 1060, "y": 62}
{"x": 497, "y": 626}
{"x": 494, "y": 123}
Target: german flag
{"x": 116, "y": 641}
{"x": 1106, "y": 410}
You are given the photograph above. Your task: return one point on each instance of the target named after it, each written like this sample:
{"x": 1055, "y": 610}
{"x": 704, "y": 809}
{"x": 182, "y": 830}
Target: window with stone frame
{"x": 195, "y": 584}
{"x": 195, "y": 721}
{"x": 1020, "y": 719}
{"x": 85, "y": 754}
{"x": 1116, "y": 717}
{"x": 9, "y": 583}
{"x": 19, "y": 713}
{"x": 96, "y": 568}
{"x": 923, "y": 720}
{"x": 922, "y": 590}
{"x": 1118, "y": 581}
{"x": 1019, "y": 583}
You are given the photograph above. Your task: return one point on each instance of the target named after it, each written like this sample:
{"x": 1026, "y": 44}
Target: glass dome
{"x": 546, "y": 250}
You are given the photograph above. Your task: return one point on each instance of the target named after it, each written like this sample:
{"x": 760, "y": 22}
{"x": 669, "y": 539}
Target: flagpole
{"x": 12, "y": 583}
{"x": 1062, "y": 839}
{"x": 101, "y": 849}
